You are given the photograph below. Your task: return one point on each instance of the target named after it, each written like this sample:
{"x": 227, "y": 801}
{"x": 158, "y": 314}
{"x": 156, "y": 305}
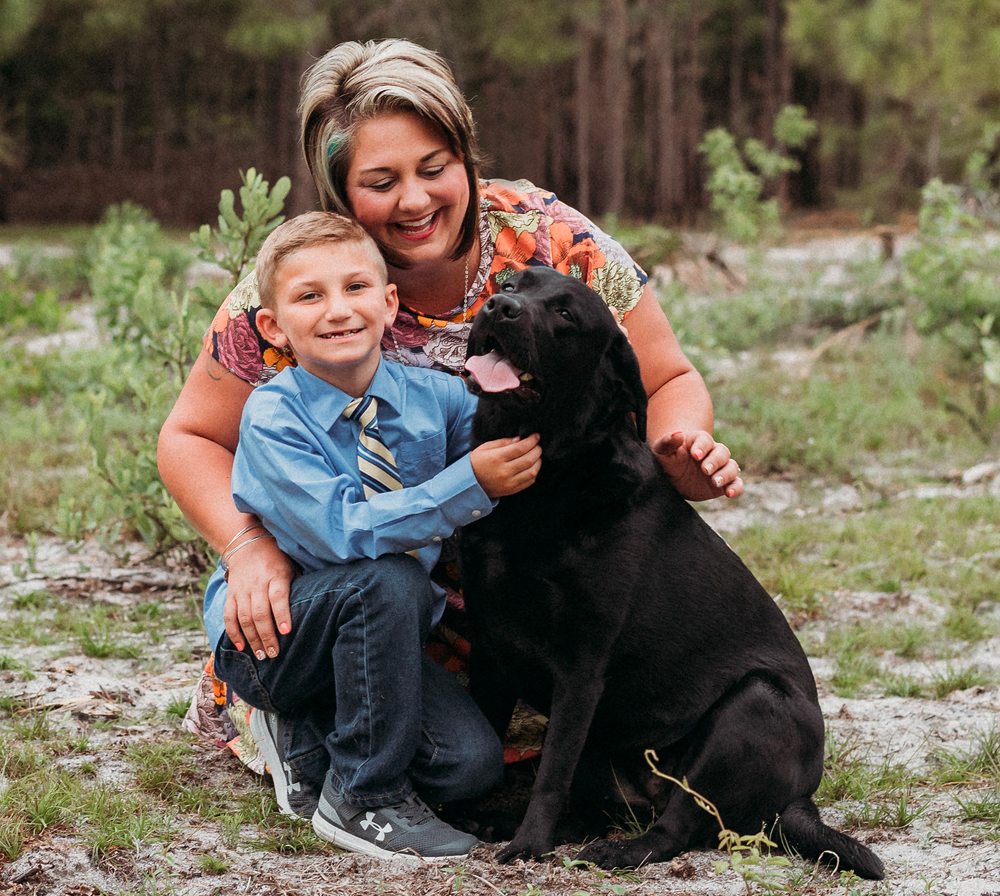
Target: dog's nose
{"x": 503, "y": 304}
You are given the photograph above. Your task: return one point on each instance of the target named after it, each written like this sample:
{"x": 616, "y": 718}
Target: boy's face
{"x": 331, "y": 307}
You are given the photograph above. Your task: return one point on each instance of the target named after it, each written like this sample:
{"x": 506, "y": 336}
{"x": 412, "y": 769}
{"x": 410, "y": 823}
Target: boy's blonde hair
{"x": 302, "y": 232}
{"x": 354, "y": 83}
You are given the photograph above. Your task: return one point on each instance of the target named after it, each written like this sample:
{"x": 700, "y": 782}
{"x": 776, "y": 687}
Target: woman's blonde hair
{"x": 356, "y": 82}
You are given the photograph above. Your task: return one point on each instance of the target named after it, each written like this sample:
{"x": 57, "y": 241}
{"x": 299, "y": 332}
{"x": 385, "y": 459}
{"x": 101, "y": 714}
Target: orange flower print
{"x": 221, "y": 319}
{"x": 514, "y": 234}
{"x": 513, "y": 192}
{"x": 277, "y": 359}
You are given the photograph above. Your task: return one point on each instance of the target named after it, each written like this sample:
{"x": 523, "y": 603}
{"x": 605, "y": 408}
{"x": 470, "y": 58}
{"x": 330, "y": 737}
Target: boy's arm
{"x": 319, "y": 516}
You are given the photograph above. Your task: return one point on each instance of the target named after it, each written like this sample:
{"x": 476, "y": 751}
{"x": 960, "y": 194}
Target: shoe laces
{"x": 415, "y": 810}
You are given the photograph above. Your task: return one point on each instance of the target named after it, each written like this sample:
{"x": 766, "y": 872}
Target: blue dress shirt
{"x": 296, "y": 468}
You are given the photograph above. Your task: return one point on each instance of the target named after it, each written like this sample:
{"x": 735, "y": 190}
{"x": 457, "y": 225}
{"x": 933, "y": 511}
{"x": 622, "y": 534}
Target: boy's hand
{"x": 507, "y": 466}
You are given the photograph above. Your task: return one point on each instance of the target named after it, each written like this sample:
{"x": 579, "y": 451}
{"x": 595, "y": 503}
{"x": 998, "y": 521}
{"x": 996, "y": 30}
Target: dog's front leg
{"x": 573, "y": 706}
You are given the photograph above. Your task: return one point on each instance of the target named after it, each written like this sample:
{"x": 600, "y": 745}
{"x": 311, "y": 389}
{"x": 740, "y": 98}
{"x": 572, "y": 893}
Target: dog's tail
{"x": 801, "y": 829}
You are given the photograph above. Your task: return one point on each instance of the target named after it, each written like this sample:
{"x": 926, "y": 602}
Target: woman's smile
{"x": 417, "y": 230}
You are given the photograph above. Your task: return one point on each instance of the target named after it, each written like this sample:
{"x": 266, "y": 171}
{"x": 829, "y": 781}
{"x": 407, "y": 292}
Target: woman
{"x": 390, "y": 140}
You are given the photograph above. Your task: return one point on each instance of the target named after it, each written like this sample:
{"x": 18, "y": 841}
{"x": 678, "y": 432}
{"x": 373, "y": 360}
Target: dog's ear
{"x": 630, "y": 391}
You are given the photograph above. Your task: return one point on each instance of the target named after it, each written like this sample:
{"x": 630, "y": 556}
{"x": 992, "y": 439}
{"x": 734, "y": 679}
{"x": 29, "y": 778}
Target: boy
{"x": 348, "y": 489}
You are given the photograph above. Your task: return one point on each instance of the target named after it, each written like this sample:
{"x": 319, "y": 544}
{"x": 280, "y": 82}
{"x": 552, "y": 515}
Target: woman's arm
{"x": 680, "y": 417}
{"x": 195, "y": 459}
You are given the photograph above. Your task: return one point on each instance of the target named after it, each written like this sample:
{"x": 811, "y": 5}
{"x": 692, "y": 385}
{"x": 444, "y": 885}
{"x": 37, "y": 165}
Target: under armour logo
{"x": 369, "y": 822}
{"x": 289, "y": 788}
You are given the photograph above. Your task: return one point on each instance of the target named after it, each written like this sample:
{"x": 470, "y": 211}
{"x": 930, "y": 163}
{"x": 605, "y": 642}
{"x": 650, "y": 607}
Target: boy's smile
{"x": 332, "y": 307}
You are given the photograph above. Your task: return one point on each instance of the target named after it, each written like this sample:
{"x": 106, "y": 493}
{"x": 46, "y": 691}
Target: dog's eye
{"x": 566, "y": 313}
{"x": 507, "y": 287}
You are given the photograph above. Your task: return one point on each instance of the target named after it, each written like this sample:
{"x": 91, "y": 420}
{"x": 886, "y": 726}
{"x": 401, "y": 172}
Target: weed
{"x": 902, "y": 686}
{"x": 604, "y": 880}
{"x": 981, "y": 807}
{"x": 211, "y": 863}
{"x": 116, "y": 820}
{"x": 33, "y": 600}
{"x": 749, "y": 855}
{"x": 854, "y": 672}
{"x": 231, "y": 825}
{"x": 963, "y": 623}
{"x": 177, "y": 707}
{"x": 897, "y": 813}
{"x": 952, "y": 679}
{"x": 33, "y": 727}
{"x": 104, "y": 645}
{"x": 287, "y": 835}
{"x": 851, "y": 774}
{"x": 980, "y": 762}
{"x": 12, "y": 837}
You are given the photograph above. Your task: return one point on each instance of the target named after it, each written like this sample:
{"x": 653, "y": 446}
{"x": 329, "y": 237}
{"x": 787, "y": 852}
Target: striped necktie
{"x": 375, "y": 461}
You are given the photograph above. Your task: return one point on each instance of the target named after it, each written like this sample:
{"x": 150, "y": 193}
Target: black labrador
{"x": 600, "y": 597}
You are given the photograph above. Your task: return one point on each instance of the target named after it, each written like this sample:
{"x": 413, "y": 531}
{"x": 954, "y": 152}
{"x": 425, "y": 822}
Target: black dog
{"x": 600, "y": 597}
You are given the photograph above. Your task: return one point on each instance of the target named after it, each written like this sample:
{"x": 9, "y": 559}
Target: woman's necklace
{"x": 465, "y": 309}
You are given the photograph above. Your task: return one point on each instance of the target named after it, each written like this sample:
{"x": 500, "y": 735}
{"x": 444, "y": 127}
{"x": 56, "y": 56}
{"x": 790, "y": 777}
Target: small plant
{"x": 12, "y": 837}
{"x": 981, "y": 807}
{"x": 604, "y": 879}
{"x": 177, "y": 707}
{"x": 747, "y": 855}
{"x": 738, "y": 175}
{"x": 105, "y": 645}
{"x": 961, "y": 680}
{"x": 894, "y": 814}
{"x": 240, "y": 236}
{"x": 211, "y": 863}
{"x": 952, "y": 277}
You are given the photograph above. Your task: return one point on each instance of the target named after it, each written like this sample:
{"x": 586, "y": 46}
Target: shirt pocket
{"x": 420, "y": 458}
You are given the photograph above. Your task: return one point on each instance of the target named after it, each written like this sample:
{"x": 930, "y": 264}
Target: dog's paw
{"x": 523, "y": 848}
{"x": 611, "y": 854}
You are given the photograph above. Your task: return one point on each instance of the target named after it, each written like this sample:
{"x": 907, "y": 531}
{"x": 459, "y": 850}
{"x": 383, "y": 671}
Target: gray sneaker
{"x": 296, "y": 797}
{"x": 409, "y": 828}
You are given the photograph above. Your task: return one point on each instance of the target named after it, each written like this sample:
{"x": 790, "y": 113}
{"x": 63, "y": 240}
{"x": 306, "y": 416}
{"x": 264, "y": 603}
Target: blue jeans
{"x": 359, "y": 697}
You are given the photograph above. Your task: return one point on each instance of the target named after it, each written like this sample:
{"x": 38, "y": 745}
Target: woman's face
{"x": 407, "y": 188}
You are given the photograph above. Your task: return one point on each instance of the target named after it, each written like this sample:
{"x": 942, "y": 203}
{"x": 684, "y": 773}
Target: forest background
{"x": 605, "y": 102}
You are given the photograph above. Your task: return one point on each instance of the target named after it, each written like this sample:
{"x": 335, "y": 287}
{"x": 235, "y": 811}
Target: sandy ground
{"x": 935, "y": 854}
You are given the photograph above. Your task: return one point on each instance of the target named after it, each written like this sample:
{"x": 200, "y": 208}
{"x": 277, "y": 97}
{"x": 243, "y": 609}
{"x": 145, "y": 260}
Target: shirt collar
{"x": 326, "y": 402}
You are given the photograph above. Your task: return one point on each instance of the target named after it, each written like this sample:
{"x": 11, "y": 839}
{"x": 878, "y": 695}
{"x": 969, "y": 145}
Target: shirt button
{"x": 476, "y": 513}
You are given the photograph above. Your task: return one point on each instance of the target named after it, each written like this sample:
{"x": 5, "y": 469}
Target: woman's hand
{"x": 260, "y": 578}
{"x": 699, "y": 467}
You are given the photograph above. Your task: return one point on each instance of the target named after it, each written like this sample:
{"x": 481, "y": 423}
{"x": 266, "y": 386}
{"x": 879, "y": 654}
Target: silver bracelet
{"x": 224, "y": 561}
{"x": 243, "y": 531}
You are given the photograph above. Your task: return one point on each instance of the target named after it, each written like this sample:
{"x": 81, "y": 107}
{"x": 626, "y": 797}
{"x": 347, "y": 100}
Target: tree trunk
{"x": 666, "y": 175}
{"x": 162, "y": 105}
{"x": 692, "y": 114}
{"x": 778, "y": 79}
{"x": 616, "y": 94}
{"x": 117, "y": 154}
{"x": 261, "y": 154}
{"x": 738, "y": 119}
{"x": 583, "y": 100}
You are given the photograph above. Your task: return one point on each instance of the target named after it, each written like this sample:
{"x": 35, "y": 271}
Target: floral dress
{"x": 520, "y": 226}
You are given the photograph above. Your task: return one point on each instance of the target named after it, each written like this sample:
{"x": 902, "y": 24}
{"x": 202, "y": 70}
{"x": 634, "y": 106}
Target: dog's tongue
{"x": 493, "y": 372}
